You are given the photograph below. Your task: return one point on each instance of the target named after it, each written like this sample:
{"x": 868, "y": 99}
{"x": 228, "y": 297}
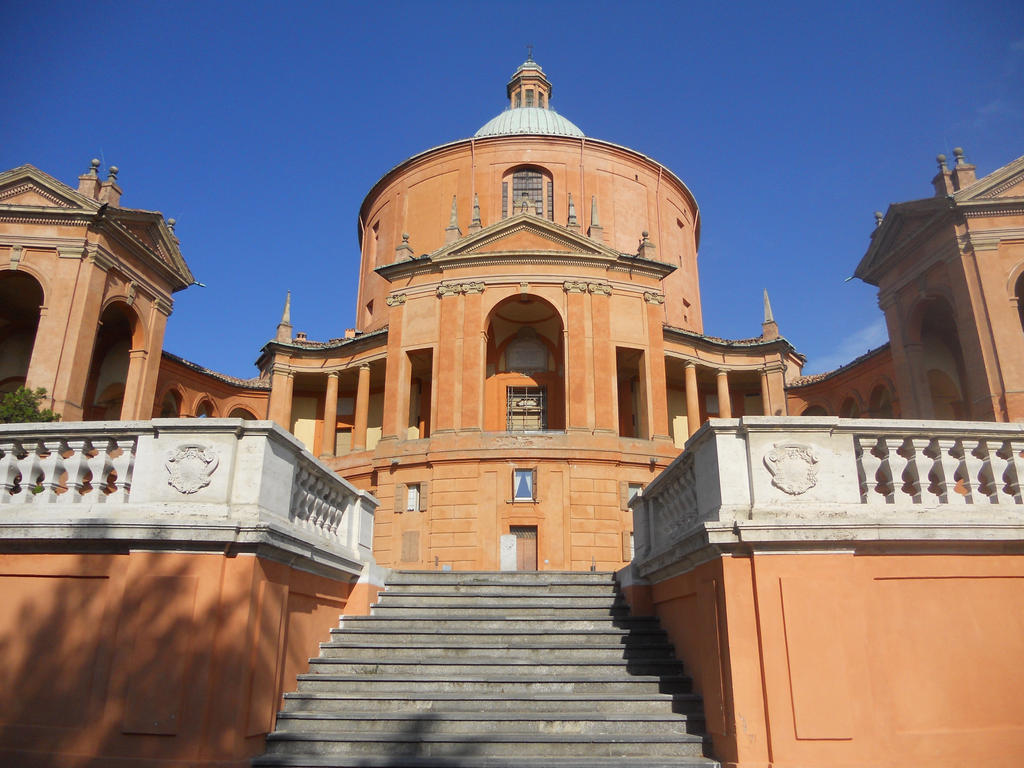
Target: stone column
{"x": 474, "y": 356}
{"x": 79, "y": 337}
{"x": 692, "y": 406}
{"x": 605, "y": 419}
{"x": 362, "y": 414}
{"x": 448, "y": 365}
{"x": 396, "y": 375}
{"x": 576, "y": 416}
{"x": 766, "y": 404}
{"x": 657, "y": 386}
{"x": 724, "y": 403}
{"x": 132, "y": 384}
{"x": 328, "y": 437}
{"x": 280, "y": 409}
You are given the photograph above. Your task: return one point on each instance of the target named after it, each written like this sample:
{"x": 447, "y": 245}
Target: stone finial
{"x": 109, "y": 191}
{"x": 452, "y": 231}
{"x": 943, "y": 181}
{"x": 963, "y": 172}
{"x": 646, "y": 249}
{"x": 475, "y": 224}
{"x": 596, "y": 231}
{"x": 284, "y": 328}
{"x": 170, "y": 224}
{"x": 878, "y": 218}
{"x": 573, "y": 221}
{"x": 89, "y": 182}
{"x": 941, "y": 160}
{"x": 769, "y": 328}
{"x": 404, "y": 251}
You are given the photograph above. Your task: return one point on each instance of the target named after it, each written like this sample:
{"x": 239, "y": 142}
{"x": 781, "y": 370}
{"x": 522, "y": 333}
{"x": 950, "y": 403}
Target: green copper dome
{"x": 529, "y": 120}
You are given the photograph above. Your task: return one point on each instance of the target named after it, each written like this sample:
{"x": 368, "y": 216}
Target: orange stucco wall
{"x": 854, "y": 660}
{"x": 153, "y": 658}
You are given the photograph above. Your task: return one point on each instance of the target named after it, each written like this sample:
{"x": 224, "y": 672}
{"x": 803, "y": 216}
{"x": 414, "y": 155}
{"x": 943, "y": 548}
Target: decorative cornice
{"x": 395, "y": 300}
{"x": 102, "y": 259}
{"x": 163, "y": 306}
{"x": 455, "y": 289}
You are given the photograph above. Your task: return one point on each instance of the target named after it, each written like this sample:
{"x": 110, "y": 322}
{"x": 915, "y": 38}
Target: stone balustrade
{"x": 216, "y": 484}
{"x": 798, "y": 482}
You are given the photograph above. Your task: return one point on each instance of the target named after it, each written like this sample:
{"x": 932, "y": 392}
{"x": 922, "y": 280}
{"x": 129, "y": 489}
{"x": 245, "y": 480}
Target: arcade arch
{"x": 942, "y": 360}
{"x": 21, "y": 297}
{"x": 119, "y": 332}
{"x": 170, "y": 404}
{"x": 1018, "y": 296}
{"x": 524, "y": 379}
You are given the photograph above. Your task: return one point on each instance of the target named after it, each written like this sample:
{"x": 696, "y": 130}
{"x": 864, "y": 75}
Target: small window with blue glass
{"x": 524, "y": 484}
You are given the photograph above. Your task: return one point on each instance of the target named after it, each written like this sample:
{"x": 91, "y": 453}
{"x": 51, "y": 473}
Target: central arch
{"x": 524, "y": 385}
{"x": 21, "y": 296}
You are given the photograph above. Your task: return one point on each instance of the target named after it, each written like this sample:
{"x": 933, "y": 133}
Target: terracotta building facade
{"x": 529, "y": 349}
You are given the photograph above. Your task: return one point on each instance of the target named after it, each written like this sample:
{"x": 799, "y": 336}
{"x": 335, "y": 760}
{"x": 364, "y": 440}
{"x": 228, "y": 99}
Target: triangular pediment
{"x": 524, "y": 233}
{"x": 1005, "y": 182}
{"x": 902, "y": 223}
{"x": 26, "y": 185}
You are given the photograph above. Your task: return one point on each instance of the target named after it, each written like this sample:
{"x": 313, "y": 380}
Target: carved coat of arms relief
{"x": 190, "y": 467}
{"x": 792, "y": 466}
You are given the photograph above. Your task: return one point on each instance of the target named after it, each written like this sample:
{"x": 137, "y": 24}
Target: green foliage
{"x": 22, "y": 405}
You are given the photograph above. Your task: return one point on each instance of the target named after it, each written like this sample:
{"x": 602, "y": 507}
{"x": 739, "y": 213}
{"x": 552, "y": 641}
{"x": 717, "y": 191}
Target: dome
{"x": 529, "y": 120}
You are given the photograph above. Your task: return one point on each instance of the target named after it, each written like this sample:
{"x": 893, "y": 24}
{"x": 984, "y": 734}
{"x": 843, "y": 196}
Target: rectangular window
{"x": 412, "y": 497}
{"x": 526, "y": 409}
{"x": 524, "y": 485}
{"x": 504, "y": 199}
{"x": 529, "y": 97}
{"x": 551, "y": 200}
{"x": 519, "y": 98}
{"x": 540, "y": 99}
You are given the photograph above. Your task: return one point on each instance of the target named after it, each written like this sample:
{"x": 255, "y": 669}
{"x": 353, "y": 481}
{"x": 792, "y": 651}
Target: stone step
{"x": 429, "y": 636}
{"x": 447, "y": 625}
{"x": 486, "y": 666}
{"x": 417, "y": 611}
{"x": 454, "y": 650}
{"x": 499, "y": 589}
{"x": 414, "y": 741}
{"x": 502, "y": 578}
{"x": 517, "y": 685}
{"x": 555, "y": 601}
{"x": 476, "y": 761}
{"x": 483, "y": 724}
{"x": 454, "y": 703}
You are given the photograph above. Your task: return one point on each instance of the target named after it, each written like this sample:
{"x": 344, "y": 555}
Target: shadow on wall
{"x": 144, "y": 657}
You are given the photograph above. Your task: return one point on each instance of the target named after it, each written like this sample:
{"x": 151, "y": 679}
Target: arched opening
{"x": 880, "y": 403}
{"x": 21, "y": 296}
{"x": 943, "y": 362}
{"x": 204, "y": 410}
{"x": 170, "y": 405}
{"x": 529, "y": 185}
{"x": 814, "y": 410}
{"x": 524, "y": 386}
{"x": 108, "y": 372}
{"x": 242, "y": 413}
{"x": 1018, "y": 294}
{"x": 849, "y": 409}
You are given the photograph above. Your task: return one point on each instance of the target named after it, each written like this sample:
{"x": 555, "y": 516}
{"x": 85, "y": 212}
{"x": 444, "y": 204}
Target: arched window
{"x": 170, "y": 406}
{"x": 241, "y": 413}
{"x": 1018, "y": 293}
{"x": 531, "y": 186}
{"x": 204, "y": 410}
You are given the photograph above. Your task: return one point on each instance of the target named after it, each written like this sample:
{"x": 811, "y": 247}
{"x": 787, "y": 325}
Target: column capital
{"x": 574, "y": 286}
{"x": 395, "y": 299}
{"x": 690, "y": 364}
{"x": 282, "y": 370}
{"x": 652, "y": 297}
{"x": 364, "y": 366}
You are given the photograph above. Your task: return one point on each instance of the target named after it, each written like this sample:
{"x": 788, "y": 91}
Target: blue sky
{"x": 261, "y": 126}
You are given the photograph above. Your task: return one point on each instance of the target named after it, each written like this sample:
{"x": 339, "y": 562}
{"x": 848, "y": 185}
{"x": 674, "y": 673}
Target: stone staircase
{"x": 493, "y": 670}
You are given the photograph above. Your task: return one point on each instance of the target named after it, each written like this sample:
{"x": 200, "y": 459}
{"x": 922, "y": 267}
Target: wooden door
{"x": 526, "y": 547}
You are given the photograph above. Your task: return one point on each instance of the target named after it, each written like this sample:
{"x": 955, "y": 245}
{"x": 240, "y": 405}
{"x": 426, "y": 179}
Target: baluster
{"x": 52, "y": 466}
{"x": 1012, "y": 450}
{"x": 9, "y": 451}
{"x": 999, "y": 465}
{"x": 948, "y": 466}
{"x": 890, "y": 469}
{"x": 918, "y": 468}
{"x": 77, "y": 466}
{"x": 100, "y": 465}
{"x": 973, "y": 479}
{"x": 28, "y": 466}
{"x": 123, "y": 463}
